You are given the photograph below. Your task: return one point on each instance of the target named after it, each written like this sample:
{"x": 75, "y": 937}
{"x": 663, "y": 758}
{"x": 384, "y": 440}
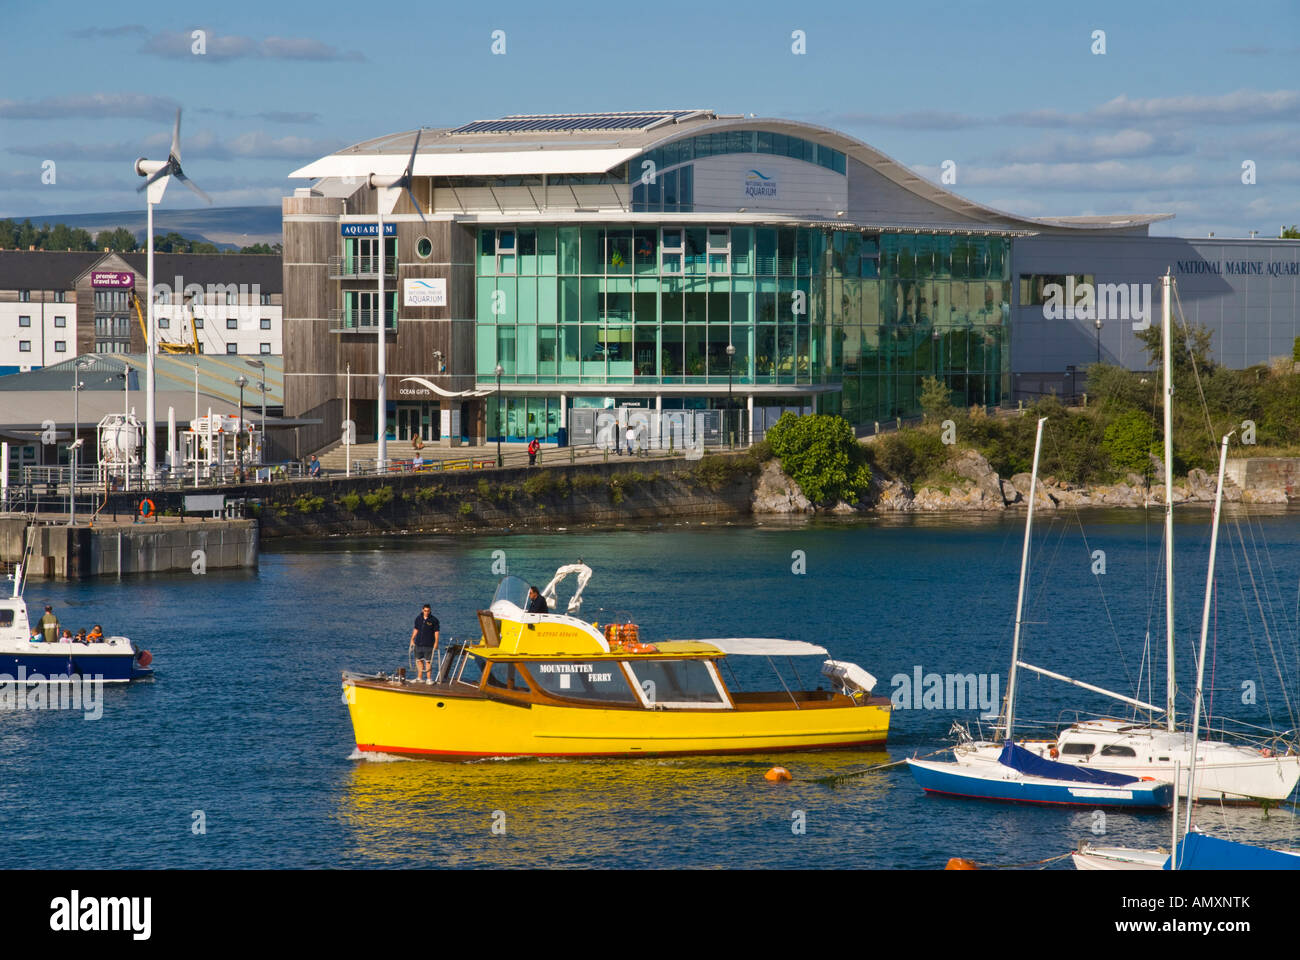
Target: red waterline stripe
{"x": 377, "y": 748}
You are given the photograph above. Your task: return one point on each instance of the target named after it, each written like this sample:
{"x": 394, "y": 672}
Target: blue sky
{"x": 1012, "y": 93}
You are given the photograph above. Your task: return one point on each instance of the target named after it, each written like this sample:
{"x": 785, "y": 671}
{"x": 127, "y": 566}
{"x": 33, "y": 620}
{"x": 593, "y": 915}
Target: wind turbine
{"x": 158, "y": 173}
{"x": 387, "y": 192}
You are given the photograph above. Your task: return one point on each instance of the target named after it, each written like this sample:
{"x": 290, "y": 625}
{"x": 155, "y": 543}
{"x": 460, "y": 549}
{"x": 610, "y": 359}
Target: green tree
{"x": 821, "y": 453}
{"x": 1290, "y": 233}
{"x": 936, "y": 399}
{"x": 122, "y": 240}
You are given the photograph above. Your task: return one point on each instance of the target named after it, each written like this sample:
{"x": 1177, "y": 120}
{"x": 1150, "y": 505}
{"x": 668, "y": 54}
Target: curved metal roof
{"x": 521, "y": 145}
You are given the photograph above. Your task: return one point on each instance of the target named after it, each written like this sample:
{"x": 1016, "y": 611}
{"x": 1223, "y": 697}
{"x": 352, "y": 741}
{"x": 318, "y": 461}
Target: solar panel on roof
{"x": 525, "y": 123}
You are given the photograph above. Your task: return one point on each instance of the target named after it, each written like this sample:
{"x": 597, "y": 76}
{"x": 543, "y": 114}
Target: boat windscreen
{"x": 512, "y": 590}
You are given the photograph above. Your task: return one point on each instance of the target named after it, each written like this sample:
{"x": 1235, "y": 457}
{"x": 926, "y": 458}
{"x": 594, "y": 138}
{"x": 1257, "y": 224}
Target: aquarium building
{"x": 653, "y": 260}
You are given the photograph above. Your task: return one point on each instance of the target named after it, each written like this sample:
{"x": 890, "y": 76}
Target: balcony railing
{"x": 361, "y": 266}
{"x": 343, "y": 320}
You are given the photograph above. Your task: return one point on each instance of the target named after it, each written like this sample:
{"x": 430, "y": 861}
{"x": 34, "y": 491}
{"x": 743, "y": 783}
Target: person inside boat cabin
{"x": 49, "y": 625}
{"x": 536, "y": 602}
{"x": 424, "y": 640}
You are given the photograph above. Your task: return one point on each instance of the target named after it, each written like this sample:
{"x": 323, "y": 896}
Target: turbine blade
{"x": 176, "y": 137}
{"x": 190, "y": 183}
{"x": 415, "y": 203}
{"x": 157, "y": 175}
{"x": 410, "y": 164}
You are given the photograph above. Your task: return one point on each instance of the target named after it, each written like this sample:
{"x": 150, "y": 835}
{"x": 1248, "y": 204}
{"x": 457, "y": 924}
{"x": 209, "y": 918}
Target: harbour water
{"x": 239, "y": 754}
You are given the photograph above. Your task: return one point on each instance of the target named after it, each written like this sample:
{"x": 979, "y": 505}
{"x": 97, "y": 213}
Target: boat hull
{"x": 58, "y": 666}
{"x": 427, "y": 722}
{"x": 1224, "y": 772}
{"x": 1007, "y": 785}
{"x": 1118, "y": 858}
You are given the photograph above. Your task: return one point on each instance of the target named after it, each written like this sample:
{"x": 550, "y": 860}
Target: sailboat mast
{"x": 1166, "y": 357}
{"x": 1205, "y": 628}
{"x": 1024, "y": 570}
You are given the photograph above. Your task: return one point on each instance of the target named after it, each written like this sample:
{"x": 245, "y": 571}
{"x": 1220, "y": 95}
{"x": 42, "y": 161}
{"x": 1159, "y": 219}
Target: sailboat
{"x": 1019, "y": 775}
{"x": 1196, "y": 851}
{"x": 1229, "y": 772}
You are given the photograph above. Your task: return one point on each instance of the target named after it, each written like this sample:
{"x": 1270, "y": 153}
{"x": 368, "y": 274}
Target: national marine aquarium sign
{"x": 424, "y": 293}
{"x": 1241, "y": 268}
{"x": 367, "y": 229}
{"x": 760, "y": 184}
{"x": 113, "y": 279}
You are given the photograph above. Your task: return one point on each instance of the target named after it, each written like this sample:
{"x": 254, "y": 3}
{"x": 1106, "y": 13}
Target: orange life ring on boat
{"x": 146, "y": 513}
{"x": 1053, "y": 752}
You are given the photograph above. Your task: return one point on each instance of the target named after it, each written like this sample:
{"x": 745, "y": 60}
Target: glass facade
{"x": 658, "y": 305}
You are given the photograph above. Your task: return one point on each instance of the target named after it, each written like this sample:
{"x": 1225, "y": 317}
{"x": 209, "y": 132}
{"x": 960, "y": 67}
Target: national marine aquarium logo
{"x": 424, "y": 293}
{"x": 1101, "y": 301}
{"x": 946, "y": 691}
{"x": 759, "y": 184}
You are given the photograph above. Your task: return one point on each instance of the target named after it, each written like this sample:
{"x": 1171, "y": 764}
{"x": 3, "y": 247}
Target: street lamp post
{"x": 1097, "y": 323}
{"x": 731, "y": 353}
{"x": 261, "y": 426}
{"x": 77, "y": 385}
{"x": 239, "y": 453}
{"x": 500, "y": 426}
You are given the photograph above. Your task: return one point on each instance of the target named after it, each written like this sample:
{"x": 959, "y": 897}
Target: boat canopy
{"x": 1018, "y": 758}
{"x": 765, "y": 647}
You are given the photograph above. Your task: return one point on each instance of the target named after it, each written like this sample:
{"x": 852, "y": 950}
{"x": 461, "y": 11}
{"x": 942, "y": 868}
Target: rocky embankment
{"x": 977, "y": 486}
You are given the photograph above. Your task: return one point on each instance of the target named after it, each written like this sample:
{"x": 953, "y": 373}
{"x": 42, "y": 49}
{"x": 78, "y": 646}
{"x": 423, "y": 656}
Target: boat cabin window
{"x": 1078, "y": 749}
{"x": 679, "y": 683}
{"x": 602, "y": 681}
{"x": 1110, "y": 750}
{"x": 6, "y": 618}
{"x": 514, "y": 590}
{"x": 507, "y": 676}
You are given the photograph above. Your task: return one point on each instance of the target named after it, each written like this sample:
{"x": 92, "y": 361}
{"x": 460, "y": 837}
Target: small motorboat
{"x": 554, "y": 685}
{"x": 24, "y": 660}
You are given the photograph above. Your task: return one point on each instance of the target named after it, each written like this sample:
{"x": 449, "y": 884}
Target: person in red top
{"x": 533, "y": 447}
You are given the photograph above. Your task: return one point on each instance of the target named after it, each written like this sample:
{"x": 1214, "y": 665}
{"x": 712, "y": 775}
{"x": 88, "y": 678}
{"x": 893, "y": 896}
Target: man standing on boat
{"x": 424, "y": 640}
{"x": 49, "y": 625}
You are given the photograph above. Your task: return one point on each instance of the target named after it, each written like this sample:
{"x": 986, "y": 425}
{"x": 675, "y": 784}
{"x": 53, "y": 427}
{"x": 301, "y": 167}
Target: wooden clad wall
{"x": 315, "y": 359}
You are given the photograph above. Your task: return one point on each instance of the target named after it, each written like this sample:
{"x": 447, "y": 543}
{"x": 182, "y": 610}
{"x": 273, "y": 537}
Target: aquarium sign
{"x": 367, "y": 229}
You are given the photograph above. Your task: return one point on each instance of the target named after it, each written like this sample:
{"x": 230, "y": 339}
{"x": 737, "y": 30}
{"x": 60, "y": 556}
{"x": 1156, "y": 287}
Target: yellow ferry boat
{"x": 554, "y": 685}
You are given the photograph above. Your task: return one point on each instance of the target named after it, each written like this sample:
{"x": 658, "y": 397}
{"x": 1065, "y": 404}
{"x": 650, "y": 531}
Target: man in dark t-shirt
{"x": 424, "y": 640}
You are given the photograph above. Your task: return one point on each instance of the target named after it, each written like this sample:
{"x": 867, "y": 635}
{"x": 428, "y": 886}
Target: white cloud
{"x": 180, "y": 45}
{"x": 90, "y": 105}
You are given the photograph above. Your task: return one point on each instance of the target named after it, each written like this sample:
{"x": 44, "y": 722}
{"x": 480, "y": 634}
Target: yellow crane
{"x": 163, "y": 346}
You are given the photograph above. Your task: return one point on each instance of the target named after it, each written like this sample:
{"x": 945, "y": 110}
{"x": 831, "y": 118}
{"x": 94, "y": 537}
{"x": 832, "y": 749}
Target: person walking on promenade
{"x": 424, "y": 640}
{"x": 533, "y": 447}
{"x": 49, "y": 626}
{"x": 631, "y": 440}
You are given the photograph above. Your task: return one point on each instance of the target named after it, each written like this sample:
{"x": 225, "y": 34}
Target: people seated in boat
{"x": 536, "y": 602}
{"x": 49, "y": 625}
{"x": 67, "y": 637}
{"x": 81, "y": 636}
{"x": 96, "y": 635}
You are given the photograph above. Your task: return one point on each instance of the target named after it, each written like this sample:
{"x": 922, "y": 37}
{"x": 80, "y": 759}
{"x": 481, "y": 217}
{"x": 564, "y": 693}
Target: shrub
{"x": 350, "y": 502}
{"x": 1129, "y": 441}
{"x": 821, "y": 453}
{"x": 428, "y": 494}
{"x": 379, "y": 499}
{"x": 909, "y": 455}
{"x": 466, "y": 508}
{"x": 307, "y": 504}
{"x": 546, "y": 483}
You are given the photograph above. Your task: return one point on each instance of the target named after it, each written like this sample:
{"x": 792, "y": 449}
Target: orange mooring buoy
{"x": 961, "y": 863}
{"x": 777, "y": 775}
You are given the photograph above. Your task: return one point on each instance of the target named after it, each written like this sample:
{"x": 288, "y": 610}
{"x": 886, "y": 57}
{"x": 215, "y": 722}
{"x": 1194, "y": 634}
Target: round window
{"x": 423, "y": 247}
